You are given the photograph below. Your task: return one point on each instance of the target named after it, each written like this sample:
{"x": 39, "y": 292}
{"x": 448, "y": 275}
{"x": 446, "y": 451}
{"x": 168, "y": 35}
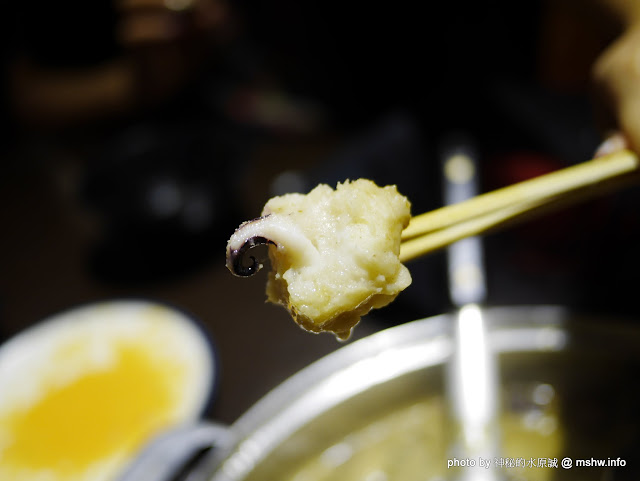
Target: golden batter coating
{"x": 334, "y": 253}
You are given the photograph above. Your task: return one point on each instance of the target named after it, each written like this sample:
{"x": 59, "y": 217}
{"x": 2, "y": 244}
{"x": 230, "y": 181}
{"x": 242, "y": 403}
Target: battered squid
{"x": 333, "y": 253}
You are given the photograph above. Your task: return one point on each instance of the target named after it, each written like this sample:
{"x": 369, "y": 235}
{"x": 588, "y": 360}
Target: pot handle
{"x": 461, "y": 181}
{"x": 168, "y": 456}
{"x": 472, "y": 376}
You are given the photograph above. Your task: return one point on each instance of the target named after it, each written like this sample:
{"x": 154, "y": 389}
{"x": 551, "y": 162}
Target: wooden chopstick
{"x": 441, "y": 227}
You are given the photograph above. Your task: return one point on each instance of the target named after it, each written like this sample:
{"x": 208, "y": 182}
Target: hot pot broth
{"x": 400, "y": 432}
{"x": 569, "y": 396}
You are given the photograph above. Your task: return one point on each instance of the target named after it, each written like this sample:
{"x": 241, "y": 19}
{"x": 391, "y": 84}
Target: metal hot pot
{"x": 499, "y": 393}
{"x": 568, "y": 390}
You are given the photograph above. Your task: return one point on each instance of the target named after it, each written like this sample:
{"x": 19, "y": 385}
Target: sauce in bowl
{"x": 83, "y": 391}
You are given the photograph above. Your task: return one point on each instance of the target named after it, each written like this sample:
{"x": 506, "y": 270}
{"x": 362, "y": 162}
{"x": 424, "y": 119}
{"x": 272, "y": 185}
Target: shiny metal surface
{"x": 472, "y": 382}
{"x": 359, "y": 381}
{"x": 566, "y": 376}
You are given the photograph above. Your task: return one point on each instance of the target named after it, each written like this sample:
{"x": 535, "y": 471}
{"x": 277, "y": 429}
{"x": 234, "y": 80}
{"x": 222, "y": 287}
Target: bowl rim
{"x": 209, "y": 349}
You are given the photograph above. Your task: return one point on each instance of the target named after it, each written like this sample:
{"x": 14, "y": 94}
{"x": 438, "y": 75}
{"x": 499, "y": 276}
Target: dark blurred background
{"x": 140, "y": 133}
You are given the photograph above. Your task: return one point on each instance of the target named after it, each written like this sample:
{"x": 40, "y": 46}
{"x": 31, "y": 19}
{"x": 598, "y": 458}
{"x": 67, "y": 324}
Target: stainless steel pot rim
{"x": 374, "y": 360}
{"x": 370, "y": 361}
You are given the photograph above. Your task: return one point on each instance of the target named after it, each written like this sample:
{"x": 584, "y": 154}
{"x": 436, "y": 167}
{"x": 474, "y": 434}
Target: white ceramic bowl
{"x": 83, "y": 390}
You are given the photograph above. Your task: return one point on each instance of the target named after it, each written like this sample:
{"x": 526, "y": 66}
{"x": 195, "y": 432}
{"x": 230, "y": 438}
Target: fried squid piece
{"x": 333, "y": 253}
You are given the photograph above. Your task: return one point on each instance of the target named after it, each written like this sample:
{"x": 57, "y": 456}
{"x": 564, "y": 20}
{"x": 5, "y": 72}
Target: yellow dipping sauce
{"x": 92, "y": 392}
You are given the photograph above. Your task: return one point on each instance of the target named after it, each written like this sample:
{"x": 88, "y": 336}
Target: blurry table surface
{"x": 45, "y": 243}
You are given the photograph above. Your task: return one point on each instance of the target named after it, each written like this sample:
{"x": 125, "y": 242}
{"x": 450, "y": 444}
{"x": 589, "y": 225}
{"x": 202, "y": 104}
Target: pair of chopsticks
{"x": 487, "y": 212}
